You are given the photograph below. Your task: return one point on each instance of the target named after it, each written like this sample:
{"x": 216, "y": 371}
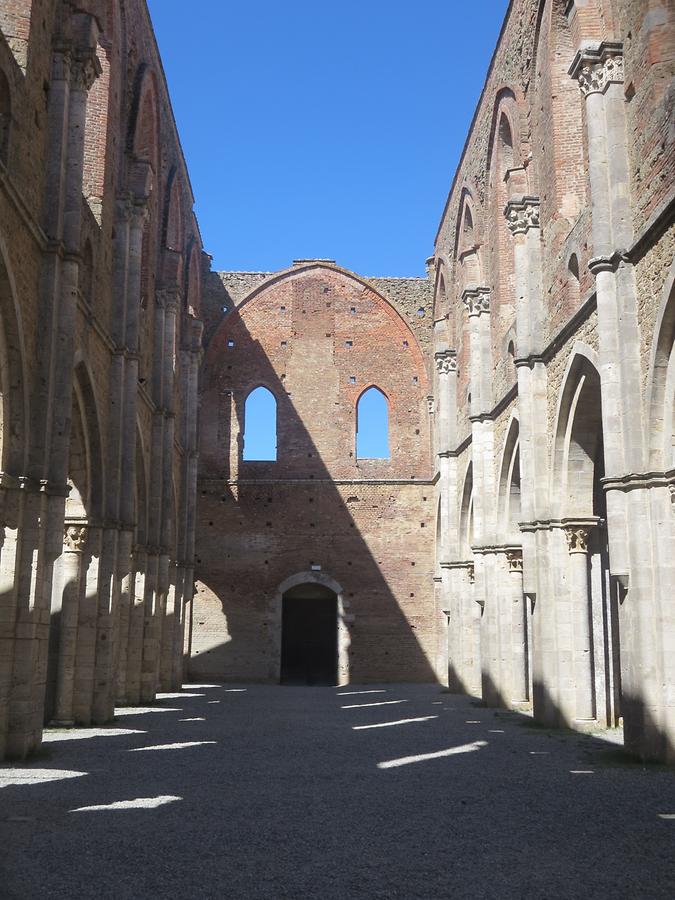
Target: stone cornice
{"x": 597, "y": 66}
{"x": 566, "y": 522}
{"x": 607, "y": 263}
{"x": 632, "y": 481}
{"x": 522, "y": 214}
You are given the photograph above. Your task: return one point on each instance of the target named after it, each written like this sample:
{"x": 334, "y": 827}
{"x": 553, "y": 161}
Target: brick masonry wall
{"x": 367, "y": 523}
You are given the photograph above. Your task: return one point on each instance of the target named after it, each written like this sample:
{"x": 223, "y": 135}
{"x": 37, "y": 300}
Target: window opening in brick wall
{"x": 372, "y": 425}
{"x": 260, "y": 426}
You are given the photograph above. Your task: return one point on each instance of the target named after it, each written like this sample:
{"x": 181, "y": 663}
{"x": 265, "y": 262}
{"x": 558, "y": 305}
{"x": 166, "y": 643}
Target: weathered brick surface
{"x": 317, "y": 337}
{"x": 71, "y": 182}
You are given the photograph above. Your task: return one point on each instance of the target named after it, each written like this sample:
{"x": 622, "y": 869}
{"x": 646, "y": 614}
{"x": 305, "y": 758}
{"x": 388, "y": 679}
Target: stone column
{"x": 577, "y": 534}
{"x": 73, "y": 69}
{"x": 74, "y": 542}
{"x": 125, "y": 598}
{"x": 10, "y": 510}
{"x": 520, "y": 682}
{"x": 136, "y": 626}
{"x": 153, "y": 603}
{"x": 646, "y": 626}
{"x": 87, "y": 628}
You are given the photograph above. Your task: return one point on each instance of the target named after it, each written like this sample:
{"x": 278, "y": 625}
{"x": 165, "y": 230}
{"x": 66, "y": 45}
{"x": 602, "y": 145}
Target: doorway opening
{"x": 309, "y": 635}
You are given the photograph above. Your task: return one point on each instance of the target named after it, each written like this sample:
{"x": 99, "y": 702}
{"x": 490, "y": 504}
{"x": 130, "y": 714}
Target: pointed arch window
{"x": 260, "y": 426}
{"x": 372, "y": 425}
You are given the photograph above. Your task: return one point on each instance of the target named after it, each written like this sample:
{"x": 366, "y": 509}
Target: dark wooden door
{"x": 309, "y": 640}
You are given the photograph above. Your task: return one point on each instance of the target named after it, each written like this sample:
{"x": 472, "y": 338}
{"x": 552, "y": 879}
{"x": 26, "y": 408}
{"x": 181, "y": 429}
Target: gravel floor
{"x": 286, "y": 792}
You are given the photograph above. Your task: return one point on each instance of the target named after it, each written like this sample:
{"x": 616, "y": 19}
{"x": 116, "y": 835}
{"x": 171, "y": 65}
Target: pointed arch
{"x": 193, "y": 277}
{"x": 85, "y": 459}
{"x": 466, "y": 513}
{"x": 468, "y": 241}
{"x": 173, "y": 228}
{"x": 372, "y": 424}
{"x": 661, "y": 382}
{"x": 506, "y": 150}
{"x": 578, "y": 451}
{"x": 508, "y": 509}
{"x": 260, "y": 425}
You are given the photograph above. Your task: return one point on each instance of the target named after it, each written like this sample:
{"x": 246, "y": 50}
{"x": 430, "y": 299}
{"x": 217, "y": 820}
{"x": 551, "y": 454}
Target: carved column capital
{"x": 446, "y": 362}
{"x": 84, "y": 71}
{"x": 596, "y": 67}
{"x": 476, "y": 299}
{"x": 577, "y": 535}
{"x": 522, "y": 214}
{"x": 75, "y": 538}
{"x": 515, "y": 559}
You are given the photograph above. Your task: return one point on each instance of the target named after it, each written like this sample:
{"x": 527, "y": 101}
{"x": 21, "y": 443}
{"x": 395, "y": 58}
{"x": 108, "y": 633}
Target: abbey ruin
{"x": 515, "y": 541}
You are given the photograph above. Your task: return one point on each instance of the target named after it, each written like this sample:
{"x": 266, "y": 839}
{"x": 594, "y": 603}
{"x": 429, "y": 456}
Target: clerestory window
{"x": 372, "y": 425}
{"x": 260, "y": 426}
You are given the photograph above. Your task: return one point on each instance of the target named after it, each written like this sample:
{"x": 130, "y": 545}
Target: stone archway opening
{"x": 309, "y": 635}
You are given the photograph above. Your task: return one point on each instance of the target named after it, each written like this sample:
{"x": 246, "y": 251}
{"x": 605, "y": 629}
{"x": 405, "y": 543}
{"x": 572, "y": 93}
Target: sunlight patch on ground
{"x": 180, "y": 745}
{"x": 11, "y": 776}
{"x": 439, "y": 754}
{"x": 213, "y": 701}
{"x": 194, "y": 719}
{"x": 397, "y": 722}
{"x": 176, "y": 695}
{"x": 138, "y": 803}
{"x": 350, "y": 693}
{"x": 80, "y": 734}
{"x": 582, "y": 772}
{"x": 197, "y": 687}
{"x": 235, "y": 690}
{"x": 141, "y": 710}
{"x": 379, "y": 703}
{"x": 666, "y": 815}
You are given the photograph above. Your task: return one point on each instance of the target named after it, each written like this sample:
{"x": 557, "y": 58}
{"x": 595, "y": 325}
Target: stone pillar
{"x": 577, "y": 534}
{"x": 646, "y": 626}
{"x": 123, "y": 624}
{"x": 152, "y": 604}
{"x": 74, "y": 67}
{"x": 10, "y": 510}
{"x": 87, "y": 628}
{"x": 171, "y": 613}
{"x": 136, "y": 626}
{"x": 74, "y": 542}
{"x": 520, "y": 681}
{"x": 179, "y": 630}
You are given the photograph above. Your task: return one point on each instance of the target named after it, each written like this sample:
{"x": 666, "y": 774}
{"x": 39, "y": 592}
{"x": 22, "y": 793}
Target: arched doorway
{"x": 309, "y": 635}
{"x": 310, "y": 609}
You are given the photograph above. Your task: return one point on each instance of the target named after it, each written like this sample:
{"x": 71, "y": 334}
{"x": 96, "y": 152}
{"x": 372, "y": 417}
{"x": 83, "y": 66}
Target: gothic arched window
{"x": 372, "y": 425}
{"x": 260, "y": 426}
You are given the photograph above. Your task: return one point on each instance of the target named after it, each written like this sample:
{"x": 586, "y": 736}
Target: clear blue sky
{"x": 324, "y": 129}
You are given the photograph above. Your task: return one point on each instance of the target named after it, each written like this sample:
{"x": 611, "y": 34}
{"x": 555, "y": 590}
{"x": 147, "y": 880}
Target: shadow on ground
{"x": 380, "y": 791}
